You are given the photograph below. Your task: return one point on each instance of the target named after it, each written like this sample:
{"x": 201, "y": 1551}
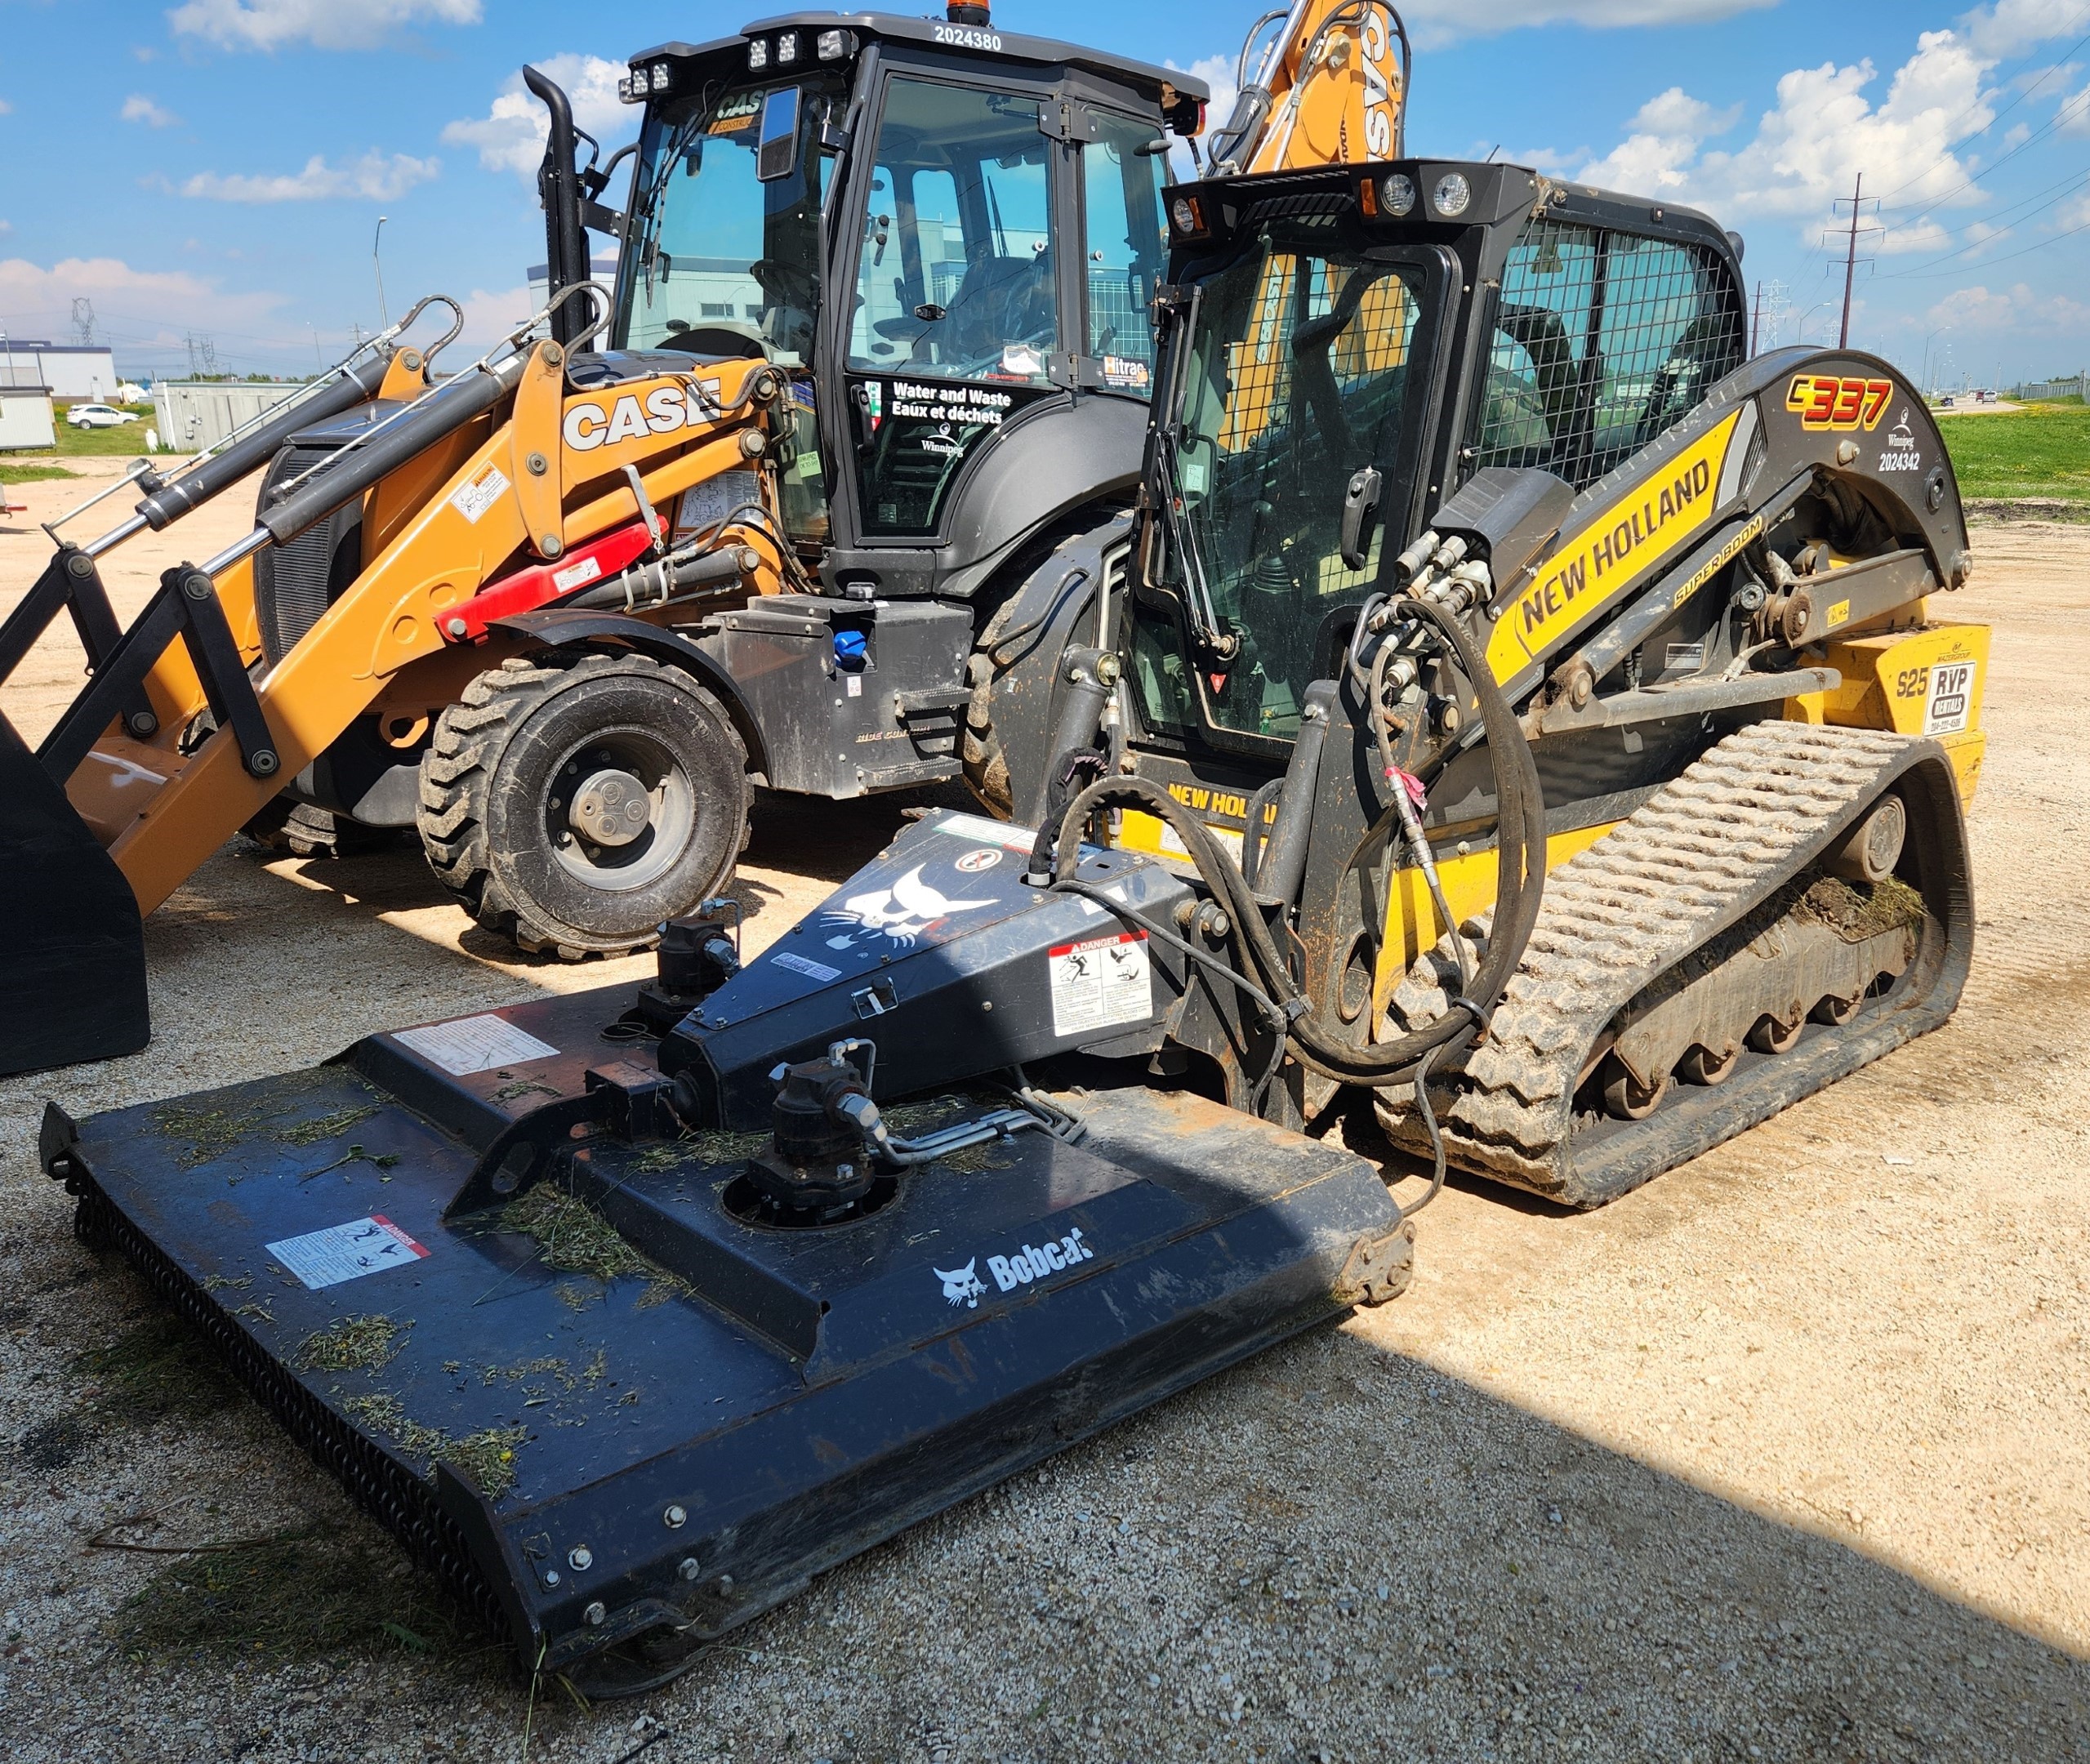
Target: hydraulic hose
{"x": 1520, "y": 881}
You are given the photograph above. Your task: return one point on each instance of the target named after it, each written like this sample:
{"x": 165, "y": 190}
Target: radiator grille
{"x": 295, "y": 583}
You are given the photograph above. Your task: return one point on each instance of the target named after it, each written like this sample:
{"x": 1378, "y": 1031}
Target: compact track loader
{"x": 1517, "y": 708}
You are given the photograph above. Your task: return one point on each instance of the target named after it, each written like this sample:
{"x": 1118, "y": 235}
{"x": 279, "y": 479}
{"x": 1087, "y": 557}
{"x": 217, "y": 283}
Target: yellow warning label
{"x": 1617, "y": 548}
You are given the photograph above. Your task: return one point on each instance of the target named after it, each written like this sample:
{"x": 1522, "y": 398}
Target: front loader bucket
{"x": 542, "y": 1333}
{"x": 73, "y": 969}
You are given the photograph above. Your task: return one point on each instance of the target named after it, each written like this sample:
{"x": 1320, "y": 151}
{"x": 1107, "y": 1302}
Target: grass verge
{"x": 2043, "y": 451}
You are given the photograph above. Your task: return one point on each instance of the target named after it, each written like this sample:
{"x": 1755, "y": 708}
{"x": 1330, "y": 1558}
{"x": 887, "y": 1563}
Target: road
{"x": 1786, "y": 1455}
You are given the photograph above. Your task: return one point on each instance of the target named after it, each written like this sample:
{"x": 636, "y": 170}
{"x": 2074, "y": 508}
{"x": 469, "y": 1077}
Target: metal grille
{"x": 1602, "y": 341}
{"x": 295, "y": 583}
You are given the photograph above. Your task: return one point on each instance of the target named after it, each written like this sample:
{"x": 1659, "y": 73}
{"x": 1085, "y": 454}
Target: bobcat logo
{"x": 901, "y": 913}
{"x": 963, "y": 1287}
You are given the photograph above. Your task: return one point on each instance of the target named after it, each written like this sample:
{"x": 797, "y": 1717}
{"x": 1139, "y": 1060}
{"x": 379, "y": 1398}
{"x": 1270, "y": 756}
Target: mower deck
{"x": 620, "y": 1419}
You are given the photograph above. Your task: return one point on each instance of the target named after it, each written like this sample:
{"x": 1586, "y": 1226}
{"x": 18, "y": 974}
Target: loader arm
{"x": 1330, "y": 86}
{"x": 547, "y": 477}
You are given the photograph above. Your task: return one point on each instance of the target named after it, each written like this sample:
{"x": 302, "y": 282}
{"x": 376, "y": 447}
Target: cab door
{"x": 955, "y": 327}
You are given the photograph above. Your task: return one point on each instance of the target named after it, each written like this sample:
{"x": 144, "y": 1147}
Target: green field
{"x": 2041, "y": 451}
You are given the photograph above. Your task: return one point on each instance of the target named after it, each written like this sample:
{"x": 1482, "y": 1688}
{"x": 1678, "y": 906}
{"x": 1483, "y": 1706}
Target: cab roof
{"x": 988, "y": 43}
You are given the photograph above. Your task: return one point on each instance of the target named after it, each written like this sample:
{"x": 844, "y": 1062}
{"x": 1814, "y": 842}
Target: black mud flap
{"x": 620, "y": 1413}
{"x": 72, "y": 966}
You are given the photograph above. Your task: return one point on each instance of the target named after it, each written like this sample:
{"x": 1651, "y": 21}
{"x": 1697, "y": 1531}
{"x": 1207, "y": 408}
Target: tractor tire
{"x": 572, "y": 803}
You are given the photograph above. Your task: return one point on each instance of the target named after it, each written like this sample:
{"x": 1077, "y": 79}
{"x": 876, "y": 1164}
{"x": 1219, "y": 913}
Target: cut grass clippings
{"x": 155, "y": 1368}
{"x": 15, "y": 474}
{"x": 303, "y": 1593}
{"x": 2041, "y": 451}
{"x": 354, "y": 1344}
{"x": 486, "y": 1457}
{"x": 573, "y": 1238}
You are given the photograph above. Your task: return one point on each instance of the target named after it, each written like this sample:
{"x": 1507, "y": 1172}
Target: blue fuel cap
{"x": 852, "y": 650}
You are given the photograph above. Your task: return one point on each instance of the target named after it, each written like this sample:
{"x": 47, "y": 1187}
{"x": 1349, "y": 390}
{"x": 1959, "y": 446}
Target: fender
{"x": 581, "y": 628}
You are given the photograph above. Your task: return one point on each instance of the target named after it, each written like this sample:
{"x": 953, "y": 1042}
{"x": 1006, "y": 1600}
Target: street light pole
{"x": 1939, "y": 333}
{"x": 377, "y": 263}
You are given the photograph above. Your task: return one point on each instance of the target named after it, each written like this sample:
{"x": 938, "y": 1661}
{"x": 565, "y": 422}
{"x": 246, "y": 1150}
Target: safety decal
{"x": 479, "y": 492}
{"x": 1642, "y": 529}
{"x": 1838, "y": 402}
{"x": 323, "y": 1258}
{"x": 474, "y": 1043}
{"x": 1100, "y": 982}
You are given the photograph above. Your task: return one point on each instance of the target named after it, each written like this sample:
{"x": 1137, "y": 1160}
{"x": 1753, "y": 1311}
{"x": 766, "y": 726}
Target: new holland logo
{"x": 1033, "y": 1262}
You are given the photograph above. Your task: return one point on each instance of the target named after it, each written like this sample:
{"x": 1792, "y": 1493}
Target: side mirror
{"x": 776, "y": 154}
{"x": 1360, "y": 517}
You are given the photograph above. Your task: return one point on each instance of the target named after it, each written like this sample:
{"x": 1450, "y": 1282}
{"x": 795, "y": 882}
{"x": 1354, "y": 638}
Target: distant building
{"x": 194, "y": 414}
{"x": 603, "y": 269}
{"x": 72, "y": 371}
{"x": 25, "y": 418}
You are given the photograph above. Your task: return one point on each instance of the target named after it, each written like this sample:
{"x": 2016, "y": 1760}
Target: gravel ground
{"x": 1783, "y": 1456}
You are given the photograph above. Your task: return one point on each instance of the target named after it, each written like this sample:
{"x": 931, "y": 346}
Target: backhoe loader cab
{"x": 947, "y": 236}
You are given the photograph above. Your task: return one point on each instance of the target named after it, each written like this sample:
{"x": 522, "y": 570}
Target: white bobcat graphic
{"x": 965, "y": 1286}
{"x": 902, "y": 912}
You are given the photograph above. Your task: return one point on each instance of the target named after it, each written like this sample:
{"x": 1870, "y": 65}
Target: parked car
{"x": 98, "y": 417}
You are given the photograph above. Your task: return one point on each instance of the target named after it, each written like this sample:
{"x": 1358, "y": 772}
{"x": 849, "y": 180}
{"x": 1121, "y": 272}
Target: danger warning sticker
{"x": 479, "y": 492}
{"x": 1101, "y": 983}
{"x": 348, "y": 1252}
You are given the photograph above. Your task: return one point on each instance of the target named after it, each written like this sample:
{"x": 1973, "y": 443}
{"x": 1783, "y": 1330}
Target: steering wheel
{"x": 786, "y": 284}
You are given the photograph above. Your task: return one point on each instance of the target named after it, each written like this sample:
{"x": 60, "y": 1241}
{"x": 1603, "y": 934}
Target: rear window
{"x": 1601, "y": 342}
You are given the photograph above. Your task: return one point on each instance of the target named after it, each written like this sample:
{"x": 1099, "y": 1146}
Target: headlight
{"x": 1184, "y": 211}
{"x": 1451, "y": 195}
{"x": 832, "y": 45}
{"x": 788, "y": 48}
{"x": 660, "y": 76}
{"x": 758, "y": 55}
{"x": 1396, "y": 193}
{"x": 632, "y": 88}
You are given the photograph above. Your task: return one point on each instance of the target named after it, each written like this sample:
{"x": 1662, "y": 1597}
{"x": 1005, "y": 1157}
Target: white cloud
{"x": 6, "y": 226}
{"x": 272, "y": 25}
{"x": 1433, "y": 23}
{"x": 2014, "y": 309}
{"x": 2010, "y": 27}
{"x": 1808, "y": 149}
{"x": 2074, "y": 115}
{"x": 138, "y": 107}
{"x": 511, "y": 136}
{"x": 490, "y": 314}
{"x": 4, "y": 107}
{"x": 373, "y": 178}
{"x": 1217, "y": 71}
{"x": 160, "y": 304}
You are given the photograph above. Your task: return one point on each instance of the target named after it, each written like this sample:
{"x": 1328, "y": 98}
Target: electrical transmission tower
{"x": 83, "y": 320}
{"x": 1850, "y": 259}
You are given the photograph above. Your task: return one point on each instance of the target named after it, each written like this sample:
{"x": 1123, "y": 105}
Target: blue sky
{"x": 217, "y": 167}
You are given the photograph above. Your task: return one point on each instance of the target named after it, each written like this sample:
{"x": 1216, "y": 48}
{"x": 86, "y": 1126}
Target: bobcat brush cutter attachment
{"x": 630, "y": 1316}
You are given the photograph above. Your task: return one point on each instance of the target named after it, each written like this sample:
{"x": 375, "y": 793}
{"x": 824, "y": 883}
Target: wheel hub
{"x": 610, "y": 807}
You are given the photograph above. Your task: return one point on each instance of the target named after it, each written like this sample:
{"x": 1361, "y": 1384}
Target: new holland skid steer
{"x": 1509, "y": 703}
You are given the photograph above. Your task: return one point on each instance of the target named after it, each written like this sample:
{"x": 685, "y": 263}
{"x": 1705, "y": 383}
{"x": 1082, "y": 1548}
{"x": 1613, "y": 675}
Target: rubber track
{"x": 1740, "y": 821}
